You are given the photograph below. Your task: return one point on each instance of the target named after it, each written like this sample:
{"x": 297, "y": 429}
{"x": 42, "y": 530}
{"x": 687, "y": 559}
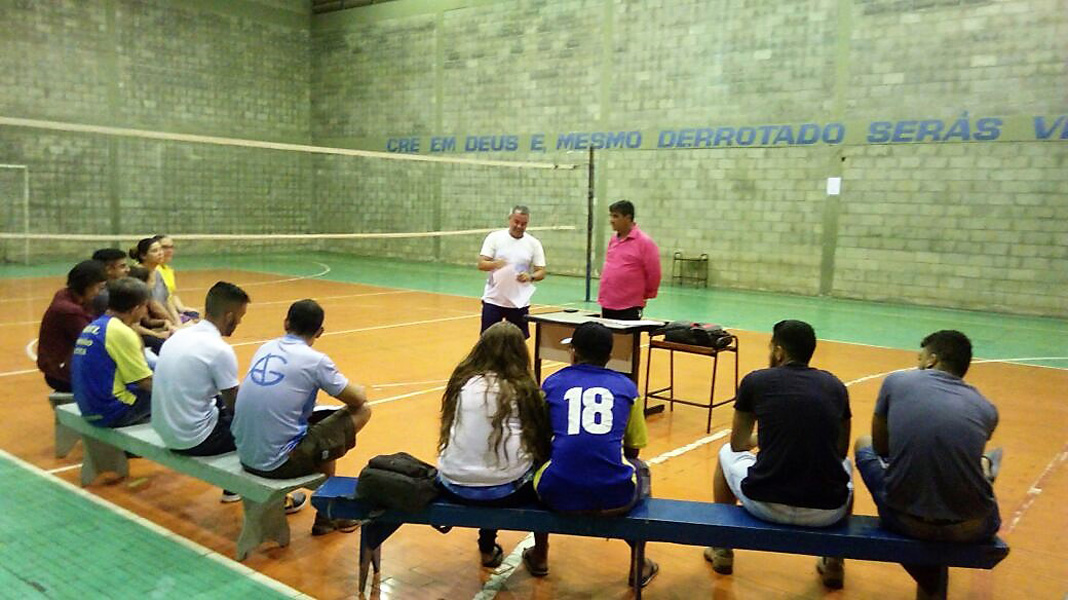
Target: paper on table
{"x": 519, "y": 294}
{"x": 638, "y": 323}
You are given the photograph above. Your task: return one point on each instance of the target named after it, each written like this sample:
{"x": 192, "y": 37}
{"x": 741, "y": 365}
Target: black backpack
{"x": 399, "y": 481}
{"x": 697, "y": 334}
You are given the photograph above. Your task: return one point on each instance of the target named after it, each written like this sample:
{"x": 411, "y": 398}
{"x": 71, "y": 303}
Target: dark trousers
{"x": 58, "y": 384}
{"x": 220, "y": 440}
{"x": 491, "y": 313}
{"x": 487, "y": 538}
{"x": 139, "y": 412}
{"x": 633, "y": 313}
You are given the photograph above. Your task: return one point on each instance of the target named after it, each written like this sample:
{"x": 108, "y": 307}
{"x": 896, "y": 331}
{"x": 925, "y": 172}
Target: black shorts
{"x": 219, "y": 441}
{"x": 330, "y": 435}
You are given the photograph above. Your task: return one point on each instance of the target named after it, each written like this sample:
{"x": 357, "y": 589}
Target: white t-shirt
{"x": 523, "y": 254}
{"x": 194, "y": 366}
{"x": 469, "y": 460}
{"x": 277, "y": 397}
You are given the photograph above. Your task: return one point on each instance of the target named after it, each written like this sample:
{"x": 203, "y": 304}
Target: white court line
{"x": 375, "y": 328}
{"x": 153, "y": 527}
{"x": 408, "y": 395}
{"x": 63, "y": 469}
{"x": 30, "y": 349}
{"x": 1036, "y": 489}
{"x": 405, "y": 383}
{"x": 321, "y": 298}
{"x": 14, "y": 323}
{"x": 23, "y": 372}
{"x": 339, "y": 297}
{"x": 324, "y": 271}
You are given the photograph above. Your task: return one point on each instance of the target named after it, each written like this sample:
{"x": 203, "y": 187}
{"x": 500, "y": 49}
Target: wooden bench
{"x": 263, "y": 499}
{"x": 676, "y": 521}
{"x": 65, "y": 437}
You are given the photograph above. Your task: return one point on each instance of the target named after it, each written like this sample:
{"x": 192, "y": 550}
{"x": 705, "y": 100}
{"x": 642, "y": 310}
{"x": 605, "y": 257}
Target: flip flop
{"x": 528, "y": 562}
{"x": 653, "y": 570}
{"x": 495, "y": 559}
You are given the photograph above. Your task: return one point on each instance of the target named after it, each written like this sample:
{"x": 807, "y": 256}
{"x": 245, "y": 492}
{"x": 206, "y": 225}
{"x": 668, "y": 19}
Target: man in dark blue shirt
{"x": 598, "y": 428}
{"x": 801, "y": 475}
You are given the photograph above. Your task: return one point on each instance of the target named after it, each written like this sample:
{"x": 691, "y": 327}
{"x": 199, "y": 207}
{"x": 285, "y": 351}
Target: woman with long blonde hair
{"x": 495, "y": 429}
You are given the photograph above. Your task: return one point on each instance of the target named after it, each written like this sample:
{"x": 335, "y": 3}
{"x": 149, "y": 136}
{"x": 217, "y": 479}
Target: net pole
{"x": 26, "y": 214}
{"x": 25, "y": 169}
{"x": 589, "y": 224}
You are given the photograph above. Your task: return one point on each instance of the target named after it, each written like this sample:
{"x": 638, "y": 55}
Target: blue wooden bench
{"x": 676, "y": 521}
{"x": 263, "y": 500}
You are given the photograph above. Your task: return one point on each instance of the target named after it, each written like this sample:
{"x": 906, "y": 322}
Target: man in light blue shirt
{"x": 278, "y": 432}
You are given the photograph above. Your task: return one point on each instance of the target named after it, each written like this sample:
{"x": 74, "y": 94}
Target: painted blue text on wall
{"x": 964, "y": 128}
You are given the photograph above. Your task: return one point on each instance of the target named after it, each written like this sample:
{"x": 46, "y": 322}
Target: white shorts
{"x": 735, "y": 467}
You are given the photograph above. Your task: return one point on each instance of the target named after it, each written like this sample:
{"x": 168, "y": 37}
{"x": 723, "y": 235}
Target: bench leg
{"x": 932, "y": 582}
{"x": 101, "y": 457}
{"x": 262, "y": 521}
{"x": 65, "y": 436}
{"x": 65, "y": 439}
{"x": 369, "y": 557}
{"x": 637, "y": 566}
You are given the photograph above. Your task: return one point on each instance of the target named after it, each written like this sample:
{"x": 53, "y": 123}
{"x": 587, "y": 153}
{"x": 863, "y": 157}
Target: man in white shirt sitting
{"x": 196, "y": 383}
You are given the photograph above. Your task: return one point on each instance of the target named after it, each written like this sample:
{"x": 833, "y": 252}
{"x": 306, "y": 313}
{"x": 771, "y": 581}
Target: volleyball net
{"x": 69, "y": 189}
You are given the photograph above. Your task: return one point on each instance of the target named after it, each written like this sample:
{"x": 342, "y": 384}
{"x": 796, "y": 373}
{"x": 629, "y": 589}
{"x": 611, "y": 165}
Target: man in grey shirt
{"x": 924, "y": 463}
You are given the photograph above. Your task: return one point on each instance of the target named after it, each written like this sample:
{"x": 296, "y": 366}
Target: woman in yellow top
{"x": 166, "y": 272}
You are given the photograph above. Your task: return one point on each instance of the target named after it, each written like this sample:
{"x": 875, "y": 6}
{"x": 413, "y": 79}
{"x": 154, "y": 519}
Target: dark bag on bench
{"x": 697, "y": 334}
{"x": 398, "y": 481}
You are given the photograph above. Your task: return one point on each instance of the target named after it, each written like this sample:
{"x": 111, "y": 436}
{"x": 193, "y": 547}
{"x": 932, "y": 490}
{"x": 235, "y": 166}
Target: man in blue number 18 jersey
{"x": 598, "y": 428}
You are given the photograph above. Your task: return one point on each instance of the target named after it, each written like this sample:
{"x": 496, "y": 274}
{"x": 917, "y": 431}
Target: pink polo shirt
{"x": 631, "y": 272}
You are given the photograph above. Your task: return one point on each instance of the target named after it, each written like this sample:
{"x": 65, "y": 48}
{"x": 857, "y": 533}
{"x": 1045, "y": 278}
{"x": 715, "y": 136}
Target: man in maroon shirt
{"x": 64, "y": 320}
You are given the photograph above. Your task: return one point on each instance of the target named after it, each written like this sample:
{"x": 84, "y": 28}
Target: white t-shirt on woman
{"x": 469, "y": 460}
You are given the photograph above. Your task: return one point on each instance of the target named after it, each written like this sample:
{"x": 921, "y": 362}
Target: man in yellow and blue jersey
{"x": 111, "y": 379}
{"x": 598, "y": 428}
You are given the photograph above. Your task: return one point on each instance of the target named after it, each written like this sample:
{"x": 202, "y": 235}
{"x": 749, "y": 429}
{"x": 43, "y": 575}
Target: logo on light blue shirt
{"x": 263, "y": 374}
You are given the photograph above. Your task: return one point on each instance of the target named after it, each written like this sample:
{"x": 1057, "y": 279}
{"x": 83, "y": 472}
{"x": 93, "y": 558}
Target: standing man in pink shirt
{"x": 631, "y": 272}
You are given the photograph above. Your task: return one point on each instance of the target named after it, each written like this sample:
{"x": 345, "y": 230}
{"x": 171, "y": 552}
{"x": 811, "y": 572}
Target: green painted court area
{"x": 56, "y": 543}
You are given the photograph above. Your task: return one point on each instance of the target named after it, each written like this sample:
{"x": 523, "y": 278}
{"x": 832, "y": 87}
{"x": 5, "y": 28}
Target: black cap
{"x": 592, "y": 340}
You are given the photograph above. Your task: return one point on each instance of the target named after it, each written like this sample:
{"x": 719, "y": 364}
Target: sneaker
{"x": 295, "y": 502}
{"x": 992, "y": 463}
{"x": 323, "y": 526}
{"x": 722, "y": 560}
{"x": 229, "y": 497}
{"x": 832, "y": 571}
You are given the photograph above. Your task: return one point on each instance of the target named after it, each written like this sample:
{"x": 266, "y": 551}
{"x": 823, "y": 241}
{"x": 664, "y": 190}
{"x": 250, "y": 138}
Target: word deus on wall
{"x": 963, "y": 128}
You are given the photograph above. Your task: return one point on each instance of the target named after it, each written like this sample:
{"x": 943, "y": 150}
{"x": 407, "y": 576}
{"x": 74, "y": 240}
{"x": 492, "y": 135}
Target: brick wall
{"x": 163, "y": 66}
{"x": 952, "y": 224}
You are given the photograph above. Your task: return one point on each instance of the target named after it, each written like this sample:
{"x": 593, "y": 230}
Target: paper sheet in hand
{"x": 517, "y": 293}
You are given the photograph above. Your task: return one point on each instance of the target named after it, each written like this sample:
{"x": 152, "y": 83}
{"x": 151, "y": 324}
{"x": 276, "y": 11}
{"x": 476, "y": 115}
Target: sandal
{"x": 534, "y": 569}
{"x": 495, "y": 558}
{"x": 653, "y": 570}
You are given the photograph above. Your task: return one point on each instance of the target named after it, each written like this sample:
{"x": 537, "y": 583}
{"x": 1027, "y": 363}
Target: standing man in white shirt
{"x": 514, "y": 259}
